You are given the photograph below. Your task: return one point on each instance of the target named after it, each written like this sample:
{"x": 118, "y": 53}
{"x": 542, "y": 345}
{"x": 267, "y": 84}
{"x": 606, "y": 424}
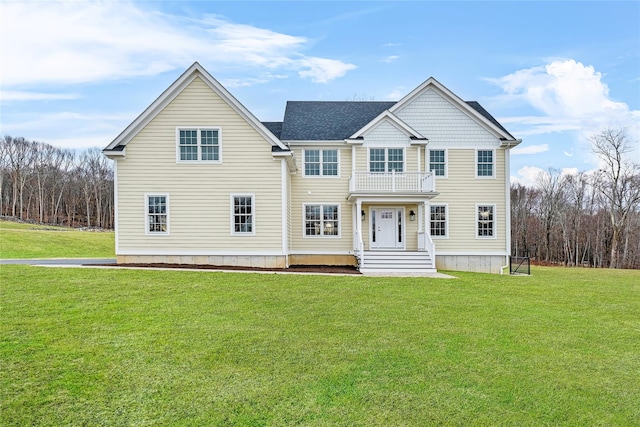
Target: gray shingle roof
{"x": 328, "y": 120}
{"x": 274, "y": 127}
{"x": 476, "y": 106}
{"x": 337, "y": 120}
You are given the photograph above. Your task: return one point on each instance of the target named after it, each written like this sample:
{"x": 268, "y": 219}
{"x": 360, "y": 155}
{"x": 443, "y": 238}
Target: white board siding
{"x": 321, "y": 190}
{"x": 199, "y": 193}
{"x": 461, "y": 191}
{"x": 444, "y": 124}
{"x": 386, "y": 135}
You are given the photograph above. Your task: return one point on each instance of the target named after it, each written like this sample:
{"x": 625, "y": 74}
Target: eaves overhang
{"x": 509, "y": 143}
{"x": 288, "y": 155}
{"x": 391, "y": 197}
{"x": 119, "y": 151}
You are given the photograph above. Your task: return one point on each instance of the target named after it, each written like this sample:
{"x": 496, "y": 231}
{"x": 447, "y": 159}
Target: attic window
{"x": 198, "y": 145}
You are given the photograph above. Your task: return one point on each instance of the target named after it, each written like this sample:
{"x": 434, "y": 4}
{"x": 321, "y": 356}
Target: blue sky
{"x": 74, "y": 74}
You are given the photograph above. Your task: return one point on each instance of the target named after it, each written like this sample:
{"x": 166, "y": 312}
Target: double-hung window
{"x": 386, "y": 160}
{"x": 321, "y": 162}
{"x": 322, "y": 220}
{"x": 157, "y": 214}
{"x": 484, "y": 165}
{"x": 199, "y": 145}
{"x": 485, "y": 221}
{"x": 439, "y": 221}
{"x": 242, "y": 214}
{"x": 438, "y": 162}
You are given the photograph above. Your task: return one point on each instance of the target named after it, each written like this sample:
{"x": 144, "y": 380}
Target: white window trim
{"x": 199, "y": 129}
{"x": 321, "y": 236}
{"x": 232, "y": 215}
{"x": 494, "y": 163}
{"x": 386, "y": 158}
{"x": 146, "y": 215}
{"x": 446, "y": 221}
{"x": 304, "y": 169}
{"x": 446, "y": 162}
{"x": 495, "y": 221}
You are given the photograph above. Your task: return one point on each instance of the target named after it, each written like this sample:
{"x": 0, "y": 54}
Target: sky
{"x": 74, "y": 74}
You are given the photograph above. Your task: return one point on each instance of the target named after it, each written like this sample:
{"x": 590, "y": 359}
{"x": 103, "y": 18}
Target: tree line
{"x": 584, "y": 219}
{"x": 587, "y": 219}
{"x": 46, "y": 184}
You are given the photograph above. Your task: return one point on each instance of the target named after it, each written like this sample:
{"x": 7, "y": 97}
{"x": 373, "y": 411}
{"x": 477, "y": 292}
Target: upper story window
{"x": 199, "y": 145}
{"x": 386, "y": 159}
{"x": 438, "y": 221}
{"x": 438, "y": 162}
{"x": 484, "y": 164}
{"x": 157, "y": 209}
{"x": 242, "y": 214}
{"x": 321, "y": 162}
{"x": 485, "y": 221}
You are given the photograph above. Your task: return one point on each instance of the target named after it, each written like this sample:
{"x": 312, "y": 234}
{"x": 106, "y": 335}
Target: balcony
{"x": 392, "y": 182}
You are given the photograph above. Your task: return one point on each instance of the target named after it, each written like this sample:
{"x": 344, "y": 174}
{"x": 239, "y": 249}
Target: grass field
{"x": 36, "y": 241}
{"x": 131, "y": 347}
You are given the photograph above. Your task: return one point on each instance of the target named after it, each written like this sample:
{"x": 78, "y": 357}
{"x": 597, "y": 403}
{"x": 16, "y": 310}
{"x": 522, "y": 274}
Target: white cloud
{"x": 397, "y": 93}
{"x": 79, "y": 130}
{"x": 16, "y": 95}
{"x": 321, "y": 70}
{"x": 568, "y": 153}
{"x": 392, "y": 44}
{"x": 390, "y": 59}
{"x": 78, "y": 42}
{"x": 568, "y": 171}
{"x": 531, "y": 149}
{"x": 571, "y": 97}
{"x": 527, "y": 176}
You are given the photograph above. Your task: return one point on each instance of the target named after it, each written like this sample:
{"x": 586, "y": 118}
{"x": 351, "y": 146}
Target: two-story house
{"x": 415, "y": 185}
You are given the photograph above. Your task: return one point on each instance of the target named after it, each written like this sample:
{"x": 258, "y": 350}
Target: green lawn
{"x": 38, "y": 241}
{"x": 131, "y": 347}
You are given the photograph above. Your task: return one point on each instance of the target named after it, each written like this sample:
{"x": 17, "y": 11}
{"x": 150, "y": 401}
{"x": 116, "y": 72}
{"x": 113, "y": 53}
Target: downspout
{"x": 507, "y": 195}
{"x": 285, "y": 210}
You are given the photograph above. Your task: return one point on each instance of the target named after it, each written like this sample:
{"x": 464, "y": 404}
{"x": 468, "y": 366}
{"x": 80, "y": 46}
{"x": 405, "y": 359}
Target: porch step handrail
{"x": 359, "y": 248}
{"x": 425, "y": 243}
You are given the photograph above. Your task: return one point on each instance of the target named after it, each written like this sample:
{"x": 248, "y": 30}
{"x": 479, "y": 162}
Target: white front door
{"x": 387, "y": 228}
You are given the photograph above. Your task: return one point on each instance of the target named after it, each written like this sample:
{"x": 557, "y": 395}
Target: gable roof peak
{"x": 473, "y": 109}
{"x": 388, "y": 116}
{"x": 169, "y": 94}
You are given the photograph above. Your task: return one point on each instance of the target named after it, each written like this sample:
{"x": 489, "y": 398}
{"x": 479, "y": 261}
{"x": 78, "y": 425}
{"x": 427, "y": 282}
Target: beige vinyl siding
{"x": 461, "y": 191}
{"x": 200, "y": 206}
{"x": 321, "y": 190}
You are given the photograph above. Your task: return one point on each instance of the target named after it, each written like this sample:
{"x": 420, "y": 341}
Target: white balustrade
{"x": 391, "y": 182}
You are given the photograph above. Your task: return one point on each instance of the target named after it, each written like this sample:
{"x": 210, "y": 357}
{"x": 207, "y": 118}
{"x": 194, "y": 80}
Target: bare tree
{"x": 19, "y": 162}
{"x": 617, "y": 181}
{"x": 551, "y": 187}
{"x": 41, "y": 182}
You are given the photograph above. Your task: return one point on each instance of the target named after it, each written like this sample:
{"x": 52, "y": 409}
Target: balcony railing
{"x": 392, "y": 182}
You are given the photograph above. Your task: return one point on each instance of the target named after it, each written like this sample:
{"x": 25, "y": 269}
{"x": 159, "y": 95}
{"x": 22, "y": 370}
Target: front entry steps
{"x": 397, "y": 262}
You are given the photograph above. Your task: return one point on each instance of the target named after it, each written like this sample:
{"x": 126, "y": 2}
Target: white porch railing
{"x": 391, "y": 182}
{"x": 359, "y": 248}
{"x": 425, "y": 243}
